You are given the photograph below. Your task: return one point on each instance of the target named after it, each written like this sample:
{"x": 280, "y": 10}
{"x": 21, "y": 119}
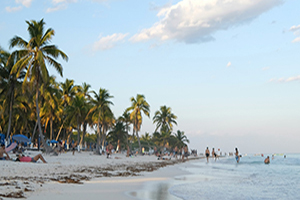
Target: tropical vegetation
{"x": 31, "y": 100}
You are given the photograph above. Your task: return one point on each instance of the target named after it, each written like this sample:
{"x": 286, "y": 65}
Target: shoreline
{"x": 29, "y": 180}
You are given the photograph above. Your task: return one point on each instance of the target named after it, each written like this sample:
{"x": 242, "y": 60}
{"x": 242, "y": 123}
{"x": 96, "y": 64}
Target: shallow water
{"x": 249, "y": 179}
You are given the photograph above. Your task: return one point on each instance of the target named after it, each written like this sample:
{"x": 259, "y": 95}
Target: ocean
{"x": 225, "y": 179}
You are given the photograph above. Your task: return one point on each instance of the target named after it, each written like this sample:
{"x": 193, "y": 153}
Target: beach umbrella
{"x": 53, "y": 141}
{"x": 20, "y": 138}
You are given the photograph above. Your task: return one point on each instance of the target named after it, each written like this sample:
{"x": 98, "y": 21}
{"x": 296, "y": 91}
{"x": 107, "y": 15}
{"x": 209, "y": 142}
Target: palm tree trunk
{"x": 98, "y": 138}
{"x": 51, "y": 128}
{"x": 46, "y": 147}
{"x": 137, "y": 135}
{"x": 10, "y": 117}
{"x": 78, "y": 131}
{"x": 59, "y": 131}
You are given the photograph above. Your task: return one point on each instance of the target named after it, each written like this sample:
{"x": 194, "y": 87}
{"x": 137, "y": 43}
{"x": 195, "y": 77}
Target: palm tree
{"x": 100, "y": 109}
{"x": 9, "y": 83}
{"x": 118, "y": 134}
{"x": 181, "y": 138}
{"x": 51, "y": 105}
{"x": 138, "y": 106}
{"x": 125, "y": 118}
{"x": 76, "y": 112}
{"x": 33, "y": 57}
{"x": 164, "y": 117}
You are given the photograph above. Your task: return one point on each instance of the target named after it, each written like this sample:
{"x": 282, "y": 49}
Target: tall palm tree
{"x": 164, "y": 117}
{"x": 138, "y": 106}
{"x": 33, "y": 57}
{"x": 100, "y": 106}
{"x": 9, "y": 83}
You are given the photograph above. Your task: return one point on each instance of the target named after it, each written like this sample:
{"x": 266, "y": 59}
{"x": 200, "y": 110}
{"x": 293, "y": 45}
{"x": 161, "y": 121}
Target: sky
{"x": 229, "y": 69}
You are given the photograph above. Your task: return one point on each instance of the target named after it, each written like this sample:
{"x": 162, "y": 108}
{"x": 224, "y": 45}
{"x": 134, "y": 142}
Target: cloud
{"x": 13, "y": 9}
{"x": 228, "y": 64}
{"x": 296, "y": 31}
{"x": 108, "y": 42}
{"x": 25, "y": 3}
{"x": 193, "y": 21}
{"x": 265, "y": 68}
{"x": 285, "y": 80}
{"x": 59, "y": 5}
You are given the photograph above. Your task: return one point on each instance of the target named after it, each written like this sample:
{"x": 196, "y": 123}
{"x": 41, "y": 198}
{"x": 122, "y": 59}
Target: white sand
{"x": 37, "y": 177}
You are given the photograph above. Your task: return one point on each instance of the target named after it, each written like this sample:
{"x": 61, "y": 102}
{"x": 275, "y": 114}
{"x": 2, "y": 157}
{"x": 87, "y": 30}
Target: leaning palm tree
{"x": 34, "y": 55}
{"x": 138, "y": 106}
{"x": 164, "y": 117}
{"x": 100, "y": 106}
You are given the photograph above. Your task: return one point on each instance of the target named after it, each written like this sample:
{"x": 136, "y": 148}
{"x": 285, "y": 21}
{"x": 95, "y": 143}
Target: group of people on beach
{"x": 214, "y": 154}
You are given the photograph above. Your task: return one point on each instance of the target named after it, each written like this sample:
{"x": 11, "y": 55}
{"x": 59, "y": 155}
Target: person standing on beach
{"x": 213, "y": 154}
{"x": 185, "y": 153}
{"x": 175, "y": 152}
{"x": 207, "y": 153}
{"x": 237, "y": 157}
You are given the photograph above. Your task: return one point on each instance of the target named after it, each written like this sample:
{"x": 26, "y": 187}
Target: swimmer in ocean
{"x": 267, "y": 160}
{"x": 237, "y": 157}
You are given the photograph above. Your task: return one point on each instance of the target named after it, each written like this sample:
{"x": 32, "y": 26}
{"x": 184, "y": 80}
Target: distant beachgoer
{"x": 237, "y": 156}
{"x": 213, "y": 154}
{"x": 185, "y": 152}
{"x": 284, "y": 156}
{"x": 207, "y": 153}
{"x": 273, "y": 157}
{"x": 109, "y": 148}
{"x": 267, "y": 160}
{"x": 22, "y": 158}
{"x": 175, "y": 152}
{"x": 2, "y": 151}
{"x": 74, "y": 144}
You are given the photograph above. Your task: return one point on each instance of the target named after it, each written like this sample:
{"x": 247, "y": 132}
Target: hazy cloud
{"x": 285, "y": 80}
{"x": 108, "y": 42}
{"x": 228, "y": 64}
{"x": 13, "y": 9}
{"x": 25, "y": 3}
{"x": 59, "y": 5}
{"x": 265, "y": 68}
{"x": 193, "y": 21}
{"x": 296, "y": 31}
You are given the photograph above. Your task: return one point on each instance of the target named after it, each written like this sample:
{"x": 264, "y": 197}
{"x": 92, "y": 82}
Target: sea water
{"x": 248, "y": 179}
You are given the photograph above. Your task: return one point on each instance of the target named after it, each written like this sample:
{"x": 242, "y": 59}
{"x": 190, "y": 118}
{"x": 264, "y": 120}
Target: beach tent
{"x": 21, "y": 138}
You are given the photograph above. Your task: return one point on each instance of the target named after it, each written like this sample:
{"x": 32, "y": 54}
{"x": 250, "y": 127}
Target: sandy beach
{"x": 87, "y": 175}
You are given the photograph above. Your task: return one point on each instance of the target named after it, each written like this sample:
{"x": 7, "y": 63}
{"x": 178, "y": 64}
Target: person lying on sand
{"x": 22, "y": 158}
{"x": 2, "y": 151}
